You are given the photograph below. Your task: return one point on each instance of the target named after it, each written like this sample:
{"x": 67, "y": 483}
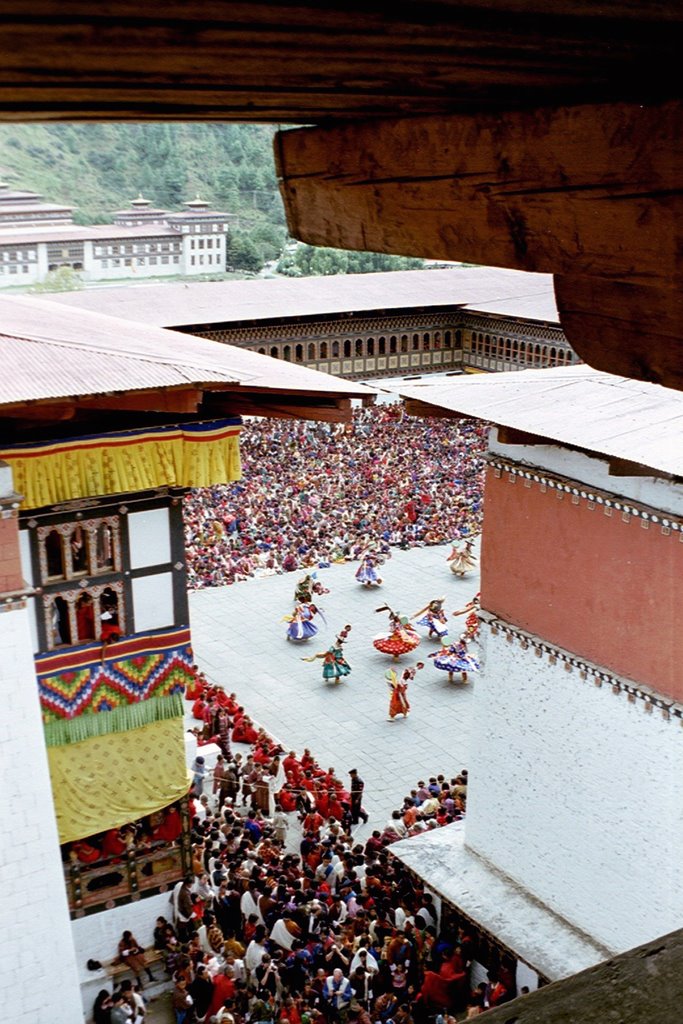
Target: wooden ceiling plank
{"x": 624, "y": 329}
{"x": 592, "y": 190}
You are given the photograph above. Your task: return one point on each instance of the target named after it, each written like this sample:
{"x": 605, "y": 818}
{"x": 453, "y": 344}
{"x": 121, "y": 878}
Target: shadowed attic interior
{"x": 517, "y": 134}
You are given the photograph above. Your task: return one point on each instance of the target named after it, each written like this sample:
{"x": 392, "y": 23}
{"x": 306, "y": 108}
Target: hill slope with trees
{"x": 99, "y": 168}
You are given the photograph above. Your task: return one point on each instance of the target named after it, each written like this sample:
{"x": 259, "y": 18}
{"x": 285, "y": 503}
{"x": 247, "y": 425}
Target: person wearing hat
{"x": 357, "y": 787}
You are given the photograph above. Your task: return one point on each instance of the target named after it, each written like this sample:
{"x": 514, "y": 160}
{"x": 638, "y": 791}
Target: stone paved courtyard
{"x": 239, "y": 640}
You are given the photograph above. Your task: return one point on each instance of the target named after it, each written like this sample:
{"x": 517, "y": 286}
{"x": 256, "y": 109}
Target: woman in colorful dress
{"x": 366, "y": 573}
{"x": 301, "y": 625}
{"x": 402, "y": 638}
{"x": 434, "y": 617}
{"x": 455, "y": 658}
{"x": 472, "y": 620}
{"x": 462, "y": 560}
{"x": 335, "y": 665}
{"x": 398, "y": 701}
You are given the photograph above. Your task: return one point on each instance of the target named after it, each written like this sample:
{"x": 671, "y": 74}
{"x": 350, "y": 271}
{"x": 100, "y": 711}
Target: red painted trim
{"x": 81, "y": 657}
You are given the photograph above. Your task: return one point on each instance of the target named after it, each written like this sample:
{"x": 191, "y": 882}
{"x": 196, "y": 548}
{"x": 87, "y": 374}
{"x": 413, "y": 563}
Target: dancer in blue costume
{"x": 366, "y": 573}
{"x": 434, "y": 617}
{"x": 301, "y": 625}
{"x": 455, "y": 658}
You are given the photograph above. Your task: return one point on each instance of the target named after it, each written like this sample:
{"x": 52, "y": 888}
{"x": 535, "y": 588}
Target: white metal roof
{"x": 575, "y": 405}
{"x": 489, "y": 289}
{"x": 538, "y": 936}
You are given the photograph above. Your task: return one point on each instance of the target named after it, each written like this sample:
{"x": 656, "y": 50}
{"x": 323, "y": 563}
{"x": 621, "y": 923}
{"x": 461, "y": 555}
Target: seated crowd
{"x": 312, "y": 494}
{"x": 305, "y": 925}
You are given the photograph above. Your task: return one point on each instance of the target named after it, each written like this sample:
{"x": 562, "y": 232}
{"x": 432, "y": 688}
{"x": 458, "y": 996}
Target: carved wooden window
{"x": 81, "y": 576}
{"x": 323, "y": 350}
{"x": 70, "y": 551}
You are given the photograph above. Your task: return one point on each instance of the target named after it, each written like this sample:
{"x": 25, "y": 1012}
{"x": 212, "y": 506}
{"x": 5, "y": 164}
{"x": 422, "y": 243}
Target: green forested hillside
{"x": 99, "y": 168}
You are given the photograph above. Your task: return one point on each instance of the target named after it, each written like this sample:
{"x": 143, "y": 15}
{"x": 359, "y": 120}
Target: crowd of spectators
{"x": 314, "y": 493}
{"x": 286, "y": 917}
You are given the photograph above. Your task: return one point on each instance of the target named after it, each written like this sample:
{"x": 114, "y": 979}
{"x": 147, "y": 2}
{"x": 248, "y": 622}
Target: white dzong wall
{"x": 577, "y": 795}
{"x": 38, "y": 973}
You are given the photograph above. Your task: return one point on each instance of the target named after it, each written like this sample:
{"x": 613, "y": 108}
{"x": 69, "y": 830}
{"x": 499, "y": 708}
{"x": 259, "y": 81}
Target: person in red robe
{"x": 87, "y": 852}
{"x": 112, "y": 844}
{"x": 223, "y": 988}
{"x": 170, "y": 827}
{"x": 243, "y": 731}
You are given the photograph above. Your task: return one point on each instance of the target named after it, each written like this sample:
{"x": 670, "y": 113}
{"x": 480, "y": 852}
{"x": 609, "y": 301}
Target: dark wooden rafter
{"x": 592, "y": 194}
{"x": 308, "y": 62}
{"x": 208, "y": 402}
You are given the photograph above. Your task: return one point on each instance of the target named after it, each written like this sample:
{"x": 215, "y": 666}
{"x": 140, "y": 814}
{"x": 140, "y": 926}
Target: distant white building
{"x": 38, "y": 237}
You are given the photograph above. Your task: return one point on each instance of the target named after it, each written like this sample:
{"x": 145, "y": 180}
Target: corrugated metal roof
{"x": 506, "y": 292}
{"x": 47, "y": 351}
{"x": 576, "y": 405}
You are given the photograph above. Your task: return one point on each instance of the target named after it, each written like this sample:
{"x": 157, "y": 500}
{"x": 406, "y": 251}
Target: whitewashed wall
{"x": 153, "y": 601}
{"x": 577, "y": 794}
{"x": 38, "y": 975}
{"x": 149, "y": 537}
{"x": 96, "y": 937}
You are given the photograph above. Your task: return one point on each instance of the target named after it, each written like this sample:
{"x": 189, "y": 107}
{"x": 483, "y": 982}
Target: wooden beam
{"x": 304, "y": 62}
{"x": 510, "y": 435}
{"x": 588, "y": 190}
{"x": 623, "y": 328}
{"x": 181, "y": 400}
{"x": 243, "y": 405}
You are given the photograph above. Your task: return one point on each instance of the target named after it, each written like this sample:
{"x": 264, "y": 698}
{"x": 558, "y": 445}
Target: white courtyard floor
{"x": 239, "y": 642}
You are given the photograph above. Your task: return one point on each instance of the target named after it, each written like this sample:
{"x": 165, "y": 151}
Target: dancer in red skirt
{"x": 402, "y": 637}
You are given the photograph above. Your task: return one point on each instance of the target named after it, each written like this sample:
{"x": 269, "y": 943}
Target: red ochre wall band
{"x": 590, "y": 578}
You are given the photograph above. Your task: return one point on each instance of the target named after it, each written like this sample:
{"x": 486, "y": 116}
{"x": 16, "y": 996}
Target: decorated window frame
{"x": 80, "y": 566}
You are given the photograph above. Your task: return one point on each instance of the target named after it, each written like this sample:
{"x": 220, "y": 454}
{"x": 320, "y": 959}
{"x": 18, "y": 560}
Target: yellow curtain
{"x": 195, "y": 455}
{"x": 106, "y": 781}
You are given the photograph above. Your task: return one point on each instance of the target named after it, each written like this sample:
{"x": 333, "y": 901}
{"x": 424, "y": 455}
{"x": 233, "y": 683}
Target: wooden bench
{"x": 116, "y": 970}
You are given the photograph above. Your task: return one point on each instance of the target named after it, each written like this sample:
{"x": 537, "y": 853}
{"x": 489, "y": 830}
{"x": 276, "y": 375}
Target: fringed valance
{"x": 140, "y": 680}
{"x": 192, "y": 455}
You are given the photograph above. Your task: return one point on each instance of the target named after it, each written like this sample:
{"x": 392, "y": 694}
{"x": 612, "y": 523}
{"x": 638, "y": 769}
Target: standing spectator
{"x": 337, "y": 993}
{"x": 357, "y": 787}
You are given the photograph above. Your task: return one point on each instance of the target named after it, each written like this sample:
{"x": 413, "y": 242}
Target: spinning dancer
{"x": 398, "y": 702}
{"x": 301, "y": 625}
{"x": 455, "y": 658}
{"x": 472, "y": 620}
{"x": 402, "y": 637}
{"x": 307, "y": 587}
{"x": 462, "y": 560}
{"x": 434, "y": 617}
{"x": 366, "y": 573}
{"x": 335, "y": 665}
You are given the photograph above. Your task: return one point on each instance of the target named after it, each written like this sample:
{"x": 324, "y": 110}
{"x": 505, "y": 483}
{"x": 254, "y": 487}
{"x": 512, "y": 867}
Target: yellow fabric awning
{"x": 192, "y": 455}
{"x": 106, "y": 781}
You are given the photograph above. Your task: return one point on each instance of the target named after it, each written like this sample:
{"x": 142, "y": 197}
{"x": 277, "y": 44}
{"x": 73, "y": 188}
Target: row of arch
{"x": 526, "y": 352}
{"x": 362, "y": 347}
